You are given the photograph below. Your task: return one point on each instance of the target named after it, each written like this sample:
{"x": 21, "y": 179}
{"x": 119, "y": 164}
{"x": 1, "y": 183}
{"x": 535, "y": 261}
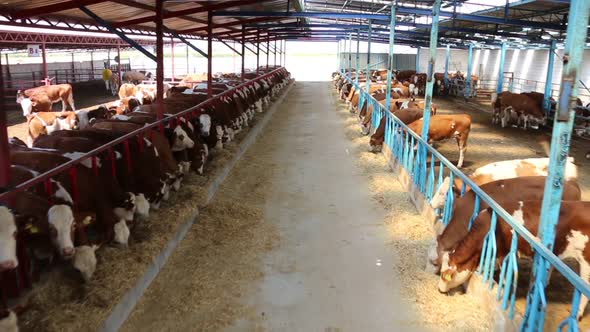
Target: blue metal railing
{"x": 403, "y": 144}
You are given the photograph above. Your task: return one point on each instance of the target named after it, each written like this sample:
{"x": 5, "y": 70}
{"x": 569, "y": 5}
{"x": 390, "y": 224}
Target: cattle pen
{"x": 235, "y": 198}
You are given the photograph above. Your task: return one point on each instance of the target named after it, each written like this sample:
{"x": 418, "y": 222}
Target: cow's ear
{"x": 63, "y": 117}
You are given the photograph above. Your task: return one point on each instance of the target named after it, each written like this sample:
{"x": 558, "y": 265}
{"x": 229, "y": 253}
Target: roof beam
{"x": 231, "y": 48}
{"x": 230, "y": 24}
{"x": 190, "y": 11}
{"x": 402, "y": 10}
{"x": 57, "y": 7}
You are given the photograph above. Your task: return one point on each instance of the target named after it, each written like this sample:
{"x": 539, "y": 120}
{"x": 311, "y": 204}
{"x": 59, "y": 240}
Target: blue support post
{"x": 418, "y": 59}
{"x": 368, "y": 74}
{"x": 560, "y": 142}
{"x": 549, "y": 79}
{"x": 501, "y": 69}
{"x": 469, "y": 70}
{"x": 339, "y": 57}
{"x": 390, "y": 58}
{"x": 447, "y": 60}
{"x": 358, "y": 56}
{"x": 422, "y": 152}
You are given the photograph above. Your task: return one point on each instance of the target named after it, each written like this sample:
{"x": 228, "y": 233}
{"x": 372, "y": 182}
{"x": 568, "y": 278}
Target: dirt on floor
{"x": 411, "y": 236}
{"x": 224, "y": 232}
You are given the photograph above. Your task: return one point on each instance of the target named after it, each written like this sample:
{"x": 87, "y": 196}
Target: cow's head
{"x": 85, "y": 261}
{"x": 452, "y": 275}
{"x": 8, "y": 232}
{"x": 121, "y": 233}
{"x": 67, "y": 121}
{"x": 61, "y": 229}
{"x": 375, "y": 145}
{"x": 27, "y": 106}
{"x": 205, "y": 124}
{"x": 181, "y": 140}
{"x": 142, "y": 206}
{"x": 535, "y": 122}
{"x": 440, "y": 196}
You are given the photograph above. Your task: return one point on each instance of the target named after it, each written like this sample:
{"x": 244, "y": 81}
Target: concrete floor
{"x": 333, "y": 270}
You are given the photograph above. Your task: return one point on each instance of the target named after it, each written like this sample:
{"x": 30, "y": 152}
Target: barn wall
{"x": 529, "y": 67}
{"x": 401, "y": 61}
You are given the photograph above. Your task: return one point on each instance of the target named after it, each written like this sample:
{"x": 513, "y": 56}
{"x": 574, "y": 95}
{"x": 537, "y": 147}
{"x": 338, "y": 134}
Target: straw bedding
{"x": 410, "y": 237}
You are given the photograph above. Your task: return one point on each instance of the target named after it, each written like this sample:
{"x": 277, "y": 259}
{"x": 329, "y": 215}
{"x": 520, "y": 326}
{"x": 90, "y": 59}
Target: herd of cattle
{"x": 100, "y": 199}
{"x": 516, "y": 185}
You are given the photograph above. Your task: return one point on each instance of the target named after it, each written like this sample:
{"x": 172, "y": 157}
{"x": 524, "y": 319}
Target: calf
{"x": 46, "y": 94}
{"x": 501, "y": 170}
{"x": 44, "y": 123}
{"x": 509, "y": 190}
{"x": 571, "y": 241}
{"x": 526, "y": 109}
{"x": 443, "y": 127}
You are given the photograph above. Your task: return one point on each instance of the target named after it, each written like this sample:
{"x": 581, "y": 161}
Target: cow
{"x": 501, "y": 170}
{"x": 44, "y": 123}
{"x": 525, "y": 109}
{"x": 191, "y": 80}
{"x": 501, "y": 191}
{"x": 404, "y": 75}
{"x": 406, "y": 116}
{"x": 127, "y": 90}
{"x": 443, "y": 127}
{"x": 136, "y": 77}
{"x": 48, "y": 93}
{"x": 571, "y": 241}
{"x": 8, "y": 232}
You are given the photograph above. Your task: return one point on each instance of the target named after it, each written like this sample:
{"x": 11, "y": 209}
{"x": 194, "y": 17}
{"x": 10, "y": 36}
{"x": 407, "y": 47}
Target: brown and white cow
{"x": 406, "y": 116}
{"x": 523, "y": 108}
{"x": 44, "y": 123}
{"x": 502, "y": 191}
{"x": 45, "y": 94}
{"x": 571, "y": 241}
{"x": 8, "y": 232}
{"x": 500, "y": 170}
{"x": 447, "y": 126}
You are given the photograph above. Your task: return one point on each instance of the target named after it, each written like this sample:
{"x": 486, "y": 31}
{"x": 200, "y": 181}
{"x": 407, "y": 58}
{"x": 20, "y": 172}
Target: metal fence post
{"x": 418, "y": 60}
{"x": 422, "y": 152}
{"x": 501, "y": 69}
{"x": 368, "y": 74}
{"x": 549, "y": 79}
{"x": 469, "y": 70}
{"x": 390, "y": 58}
{"x": 350, "y": 54}
{"x": 560, "y": 142}
{"x": 358, "y": 55}
{"x": 447, "y": 60}
{"x": 338, "y": 56}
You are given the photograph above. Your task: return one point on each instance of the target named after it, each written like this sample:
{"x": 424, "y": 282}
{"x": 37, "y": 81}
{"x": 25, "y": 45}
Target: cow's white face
{"x": 142, "y": 206}
{"x": 440, "y": 196}
{"x": 121, "y": 232}
{"x": 8, "y": 231}
{"x": 27, "y": 105}
{"x": 9, "y": 323}
{"x": 66, "y": 123}
{"x": 85, "y": 261}
{"x": 450, "y": 277}
{"x": 61, "y": 226}
{"x": 181, "y": 140}
{"x": 205, "y": 121}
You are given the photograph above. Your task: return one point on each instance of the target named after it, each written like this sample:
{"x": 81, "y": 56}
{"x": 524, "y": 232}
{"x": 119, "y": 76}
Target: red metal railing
{"x": 190, "y": 112}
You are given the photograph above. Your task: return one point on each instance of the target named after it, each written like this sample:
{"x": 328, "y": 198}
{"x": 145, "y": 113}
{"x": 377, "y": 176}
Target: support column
{"x": 285, "y": 54}
{"x": 573, "y": 55}
{"x": 368, "y": 74}
{"x": 172, "y": 56}
{"x": 358, "y": 55}
{"x": 73, "y": 69}
{"x": 468, "y": 91}
{"x": 350, "y": 54}
{"x": 422, "y": 152}
{"x": 209, "y": 55}
{"x": 447, "y": 60}
{"x": 501, "y": 69}
{"x": 390, "y": 57}
{"x": 119, "y": 62}
{"x": 275, "y": 54}
{"x": 549, "y": 79}
{"x": 257, "y": 51}
{"x": 4, "y": 150}
{"x": 267, "y": 49}
{"x": 187, "y": 61}
{"x": 418, "y": 59}
{"x": 159, "y": 60}
{"x": 91, "y": 76}
{"x": 339, "y": 56}
{"x": 44, "y": 55}
{"x": 243, "y": 52}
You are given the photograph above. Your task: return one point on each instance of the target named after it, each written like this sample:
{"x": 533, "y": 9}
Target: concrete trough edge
{"x": 499, "y": 319}
{"x": 127, "y": 303}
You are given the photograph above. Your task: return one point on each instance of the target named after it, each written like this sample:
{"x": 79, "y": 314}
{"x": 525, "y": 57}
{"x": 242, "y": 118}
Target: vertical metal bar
{"x": 4, "y": 150}
{"x": 469, "y": 70}
{"x": 390, "y": 57}
{"x": 209, "y": 54}
{"x": 159, "y": 60}
{"x": 257, "y": 51}
{"x": 91, "y": 65}
{"x": 275, "y": 54}
{"x": 549, "y": 79}
{"x": 243, "y": 52}
{"x": 368, "y": 74}
{"x": 447, "y": 60}
{"x": 418, "y": 60}
{"x": 350, "y": 54}
{"x": 267, "y": 49}
{"x": 501, "y": 69}
{"x": 285, "y": 54}
{"x": 172, "y": 56}
{"x": 119, "y": 62}
{"x": 73, "y": 69}
{"x": 358, "y": 56}
{"x": 44, "y": 55}
{"x": 187, "y": 61}
{"x": 560, "y": 143}
{"x": 338, "y": 56}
